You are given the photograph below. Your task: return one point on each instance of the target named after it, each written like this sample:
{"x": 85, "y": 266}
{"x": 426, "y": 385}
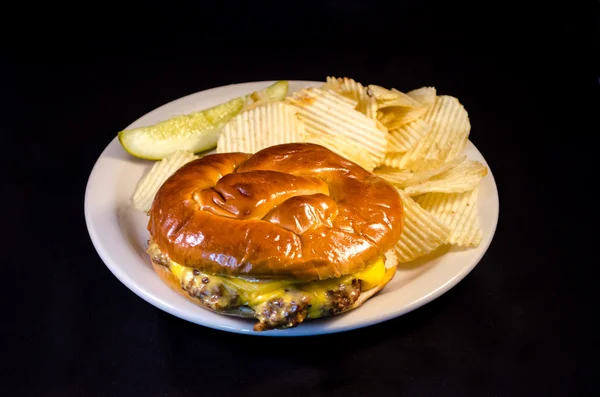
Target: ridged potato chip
{"x": 327, "y": 112}
{"x": 385, "y": 118}
{"x": 270, "y": 124}
{"x": 458, "y": 211}
{"x": 399, "y": 116}
{"x": 148, "y": 186}
{"x": 464, "y": 177}
{"x": 422, "y": 234}
{"x": 424, "y": 95}
{"x": 402, "y": 100}
{"x": 343, "y": 147}
{"x": 366, "y": 104}
{"x": 407, "y": 136}
{"x": 389, "y": 98}
{"x": 396, "y": 108}
{"x": 403, "y": 179}
{"x": 383, "y": 94}
{"x": 450, "y": 128}
{"x": 381, "y": 126}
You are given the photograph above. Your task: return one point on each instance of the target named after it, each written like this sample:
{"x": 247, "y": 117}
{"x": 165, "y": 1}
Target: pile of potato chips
{"x": 414, "y": 140}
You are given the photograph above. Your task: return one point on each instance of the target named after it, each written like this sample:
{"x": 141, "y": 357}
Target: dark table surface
{"x": 515, "y": 326}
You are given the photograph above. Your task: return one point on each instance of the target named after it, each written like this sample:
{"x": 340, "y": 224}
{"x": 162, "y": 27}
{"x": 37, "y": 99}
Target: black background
{"x": 518, "y": 325}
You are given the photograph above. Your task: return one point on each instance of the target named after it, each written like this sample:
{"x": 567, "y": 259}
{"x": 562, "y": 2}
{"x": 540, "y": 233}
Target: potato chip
{"x": 403, "y": 179}
{"x": 327, "y": 112}
{"x": 396, "y": 108}
{"x": 270, "y": 124}
{"x": 407, "y": 136}
{"x": 458, "y": 211}
{"x": 385, "y": 118}
{"x": 332, "y": 84}
{"x": 464, "y": 177}
{"x": 366, "y": 104}
{"x": 343, "y": 147}
{"x": 402, "y": 100}
{"x": 388, "y": 98}
{"x": 161, "y": 170}
{"x": 399, "y": 116}
{"x": 424, "y": 95}
{"x": 450, "y": 128}
{"x": 381, "y": 127}
{"x": 383, "y": 94}
{"x": 422, "y": 234}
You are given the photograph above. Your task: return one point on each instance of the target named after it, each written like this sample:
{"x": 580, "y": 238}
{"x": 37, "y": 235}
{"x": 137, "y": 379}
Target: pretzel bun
{"x": 289, "y": 211}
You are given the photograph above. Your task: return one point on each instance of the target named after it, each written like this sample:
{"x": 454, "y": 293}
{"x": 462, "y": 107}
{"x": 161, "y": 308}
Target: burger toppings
{"x": 342, "y": 298}
{"x": 275, "y": 303}
{"x": 211, "y": 293}
{"x": 283, "y": 312}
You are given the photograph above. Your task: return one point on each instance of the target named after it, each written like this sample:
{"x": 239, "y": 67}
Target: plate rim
{"x": 179, "y": 313}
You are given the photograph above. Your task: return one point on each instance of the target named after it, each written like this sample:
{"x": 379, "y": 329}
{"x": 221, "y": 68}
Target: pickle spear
{"x": 194, "y": 132}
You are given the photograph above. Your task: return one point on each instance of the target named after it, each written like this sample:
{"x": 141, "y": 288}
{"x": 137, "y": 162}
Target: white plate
{"x": 119, "y": 234}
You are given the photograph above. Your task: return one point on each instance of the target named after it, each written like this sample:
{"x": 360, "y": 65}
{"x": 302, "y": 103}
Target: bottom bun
{"x": 244, "y": 311}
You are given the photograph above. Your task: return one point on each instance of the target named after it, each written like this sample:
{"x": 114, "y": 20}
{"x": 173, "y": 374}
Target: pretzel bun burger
{"x": 291, "y": 233}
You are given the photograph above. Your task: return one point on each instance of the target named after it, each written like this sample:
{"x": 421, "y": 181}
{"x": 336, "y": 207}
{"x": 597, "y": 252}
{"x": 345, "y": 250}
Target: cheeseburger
{"x": 291, "y": 233}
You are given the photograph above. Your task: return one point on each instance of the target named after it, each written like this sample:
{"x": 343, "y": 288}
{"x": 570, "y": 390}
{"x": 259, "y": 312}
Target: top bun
{"x": 289, "y": 211}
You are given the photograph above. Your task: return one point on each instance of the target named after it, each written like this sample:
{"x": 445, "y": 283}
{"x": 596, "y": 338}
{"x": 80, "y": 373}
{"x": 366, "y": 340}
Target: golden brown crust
{"x": 292, "y": 210}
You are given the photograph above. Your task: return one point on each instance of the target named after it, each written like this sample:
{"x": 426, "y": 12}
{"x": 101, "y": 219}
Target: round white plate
{"x": 118, "y": 231}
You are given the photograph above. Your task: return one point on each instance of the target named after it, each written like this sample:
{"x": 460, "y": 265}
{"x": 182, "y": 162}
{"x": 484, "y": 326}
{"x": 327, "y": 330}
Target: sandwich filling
{"x": 277, "y": 303}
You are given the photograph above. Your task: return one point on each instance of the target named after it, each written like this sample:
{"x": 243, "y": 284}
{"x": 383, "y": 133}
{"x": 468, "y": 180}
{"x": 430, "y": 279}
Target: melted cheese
{"x": 253, "y": 293}
{"x": 372, "y": 275}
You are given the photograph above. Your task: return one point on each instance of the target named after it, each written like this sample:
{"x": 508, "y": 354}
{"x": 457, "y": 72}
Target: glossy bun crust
{"x": 294, "y": 210}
